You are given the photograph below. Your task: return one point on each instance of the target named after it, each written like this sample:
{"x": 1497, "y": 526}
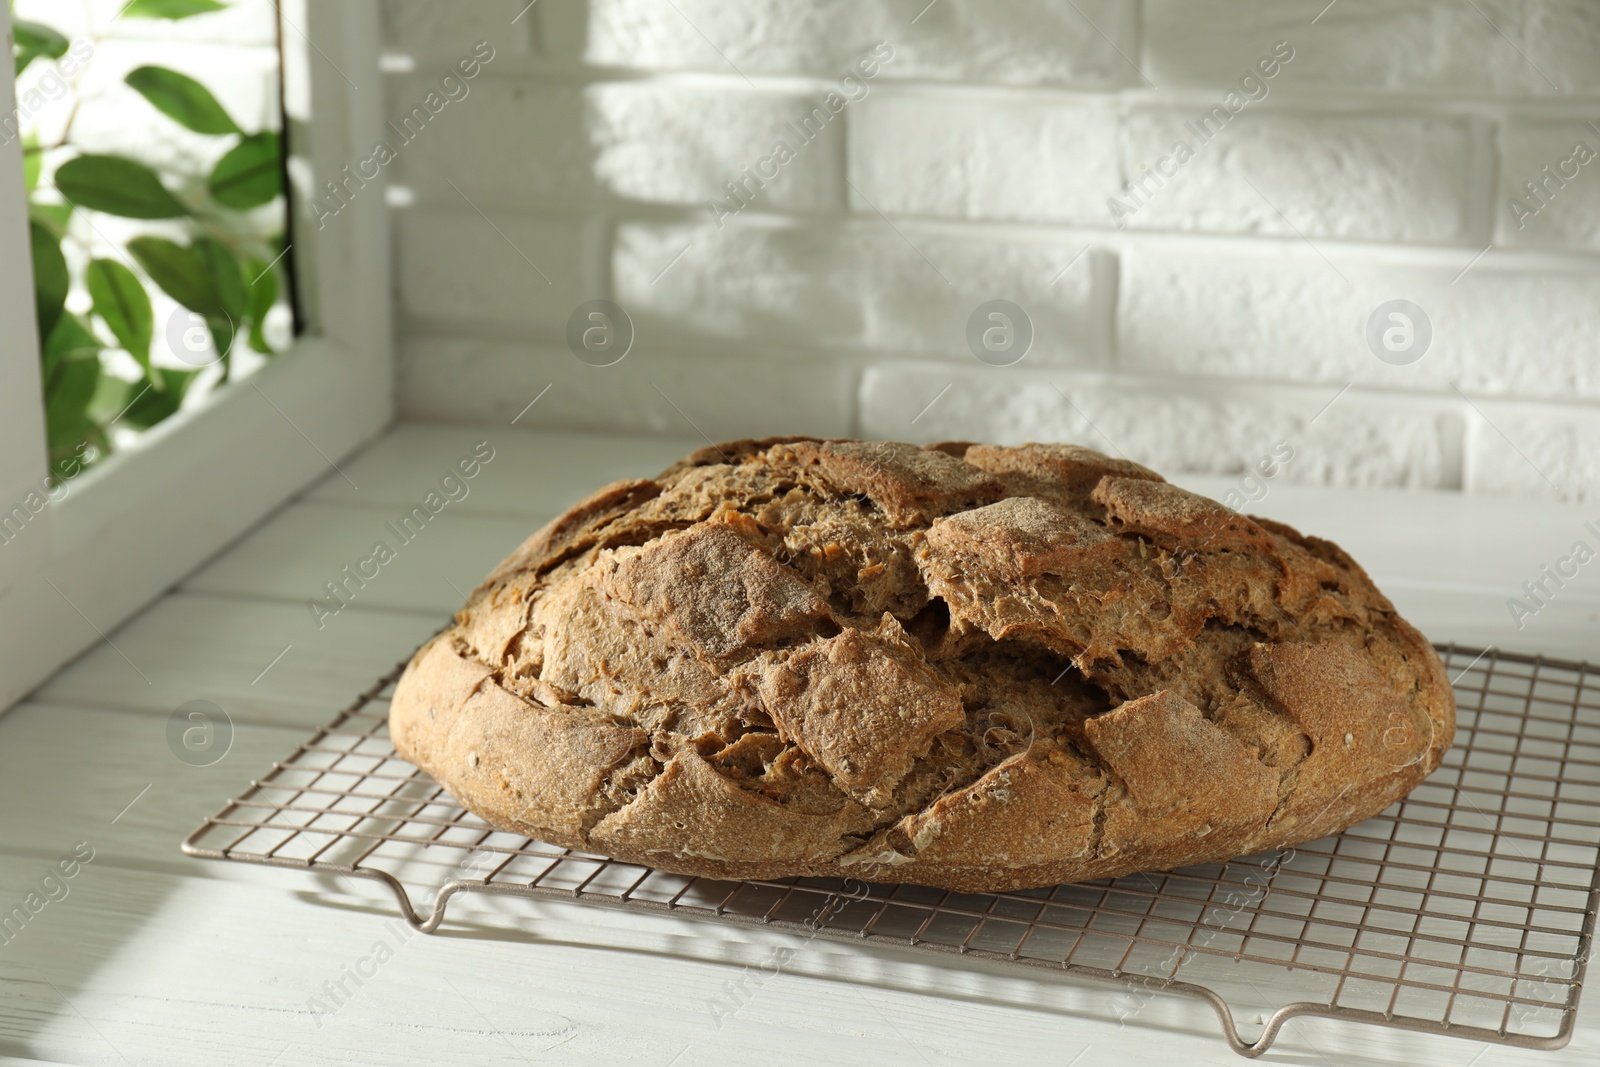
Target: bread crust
{"x": 966, "y": 666}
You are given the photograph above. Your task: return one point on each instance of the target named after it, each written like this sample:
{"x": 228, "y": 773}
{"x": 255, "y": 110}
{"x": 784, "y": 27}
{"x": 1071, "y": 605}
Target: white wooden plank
{"x": 199, "y": 968}
{"x": 169, "y": 966}
{"x": 656, "y": 389}
{"x": 293, "y": 555}
{"x": 44, "y": 764}
{"x": 160, "y": 968}
{"x": 154, "y": 967}
{"x": 126, "y": 792}
{"x": 260, "y": 661}
{"x": 534, "y": 472}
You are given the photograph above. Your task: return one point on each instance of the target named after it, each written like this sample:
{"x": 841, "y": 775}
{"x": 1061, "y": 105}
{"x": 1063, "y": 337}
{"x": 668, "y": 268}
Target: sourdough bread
{"x": 960, "y": 665}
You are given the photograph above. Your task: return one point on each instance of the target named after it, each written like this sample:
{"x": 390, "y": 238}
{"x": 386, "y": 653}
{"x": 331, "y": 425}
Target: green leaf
{"x": 150, "y": 408}
{"x": 147, "y": 406}
{"x": 170, "y": 9}
{"x": 251, "y": 174}
{"x": 36, "y": 35}
{"x": 227, "y": 277}
{"x": 121, "y": 302}
{"x": 71, "y": 339}
{"x": 68, "y": 391}
{"x": 32, "y": 161}
{"x": 117, "y": 186}
{"x": 263, "y": 295}
{"x": 50, "y": 278}
{"x": 111, "y": 396}
{"x": 33, "y": 40}
{"x": 40, "y": 38}
{"x": 52, "y": 217}
{"x": 179, "y": 271}
{"x": 183, "y": 99}
{"x": 223, "y": 333}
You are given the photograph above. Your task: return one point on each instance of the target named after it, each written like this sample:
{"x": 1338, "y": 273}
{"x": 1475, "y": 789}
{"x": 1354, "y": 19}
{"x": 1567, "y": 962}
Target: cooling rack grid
{"x": 1467, "y": 909}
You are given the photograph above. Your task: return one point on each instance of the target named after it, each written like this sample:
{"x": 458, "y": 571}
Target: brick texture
{"x": 1562, "y": 160}
{"x": 635, "y": 141}
{"x": 538, "y": 146}
{"x": 1500, "y": 47}
{"x": 683, "y": 146}
{"x": 1358, "y": 440}
{"x": 1010, "y": 42}
{"x": 1193, "y": 307}
{"x": 1366, "y": 178}
{"x": 861, "y": 286}
{"x": 1544, "y": 450}
{"x": 1290, "y": 316}
{"x": 506, "y": 273}
{"x": 431, "y": 27}
{"x": 1047, "y": 161}
{"x": 651, "y": 391}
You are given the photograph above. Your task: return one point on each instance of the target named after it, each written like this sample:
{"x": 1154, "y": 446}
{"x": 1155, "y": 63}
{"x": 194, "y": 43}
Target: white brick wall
{"x": 1356, "y": 177}
{"x": 675, "y": 145}
{"x": 1217, "y": 310}
{"x": 865, "y": 286}
{"x": 1204, "y": 428}
{"x": 1005, "y": 159}
{"x": 455, "y": 266}
{"x": 668, "y": 144}
{"x": 1007, "y": 42}
{"x": 1450, "y": 47}
{"x": 431, "y": 23}
{"x": 1285, "y": 314}
{"x": 510, "y": 141}
{"x": 1561, "y": 158}
{"x": 1547, "y": 450}
{"x": 652, "y": 390}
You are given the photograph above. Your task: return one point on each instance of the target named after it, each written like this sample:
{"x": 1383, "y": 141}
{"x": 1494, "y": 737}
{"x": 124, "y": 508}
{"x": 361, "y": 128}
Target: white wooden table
{"x": 153, "y": 958}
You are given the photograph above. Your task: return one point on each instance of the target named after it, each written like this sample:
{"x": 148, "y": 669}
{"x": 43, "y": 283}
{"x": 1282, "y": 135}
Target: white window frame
{"x": 127, "y": 530}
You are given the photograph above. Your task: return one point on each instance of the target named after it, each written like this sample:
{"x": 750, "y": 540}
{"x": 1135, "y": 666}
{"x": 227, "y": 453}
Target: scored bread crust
{"x": 966, "y": 666}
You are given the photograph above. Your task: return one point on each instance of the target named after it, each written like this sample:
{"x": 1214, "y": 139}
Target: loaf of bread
{"x": 961, "y": 665}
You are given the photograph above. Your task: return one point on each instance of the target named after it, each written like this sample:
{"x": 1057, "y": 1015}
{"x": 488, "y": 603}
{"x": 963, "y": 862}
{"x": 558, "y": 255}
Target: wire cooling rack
{"x": 1468, "y": 908}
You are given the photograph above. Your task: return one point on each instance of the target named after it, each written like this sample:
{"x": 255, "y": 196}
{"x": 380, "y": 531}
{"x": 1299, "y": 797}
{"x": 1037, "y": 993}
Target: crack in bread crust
{"x": 966, "y": 666}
